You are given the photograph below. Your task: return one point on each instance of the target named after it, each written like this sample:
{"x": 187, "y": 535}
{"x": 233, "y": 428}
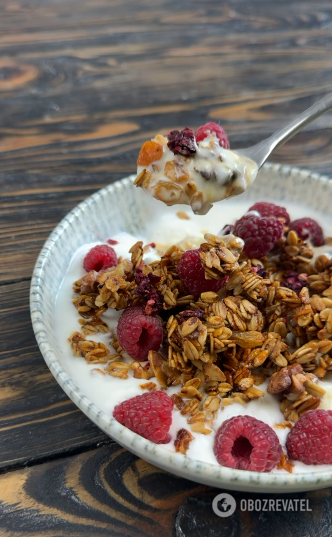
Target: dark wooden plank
{"x": 37, "y": 420}
{"x": 109, "y": 491}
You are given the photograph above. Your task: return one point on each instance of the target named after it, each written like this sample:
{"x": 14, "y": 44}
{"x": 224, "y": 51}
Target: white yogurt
{"x": 106, "y": 391}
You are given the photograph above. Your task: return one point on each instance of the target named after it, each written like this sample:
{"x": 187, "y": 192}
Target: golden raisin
{"x": 149, "y": 152}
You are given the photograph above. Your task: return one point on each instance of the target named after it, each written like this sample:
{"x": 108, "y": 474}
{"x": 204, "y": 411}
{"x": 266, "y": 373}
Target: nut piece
{"x": 150, "y": 386}
{"x": 285, "y": 463}
{"x": 288, "y": 379}
{"x": 140, "y": 372}
{"x": 182, "y": 441}
{"x": 156, "y": 361}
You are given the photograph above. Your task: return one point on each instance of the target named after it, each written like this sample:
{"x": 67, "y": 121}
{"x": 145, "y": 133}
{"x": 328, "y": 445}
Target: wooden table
{"x": 82, "y": 84}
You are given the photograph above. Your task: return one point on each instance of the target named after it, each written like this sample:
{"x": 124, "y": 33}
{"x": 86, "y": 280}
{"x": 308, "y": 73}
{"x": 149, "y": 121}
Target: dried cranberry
{"x": 184, "y": 315}
{"x": 295, "y": 281}
{"x": 152, "y": 298}
{"x": 260, "y": 271}
{"x": 182, "y": 142}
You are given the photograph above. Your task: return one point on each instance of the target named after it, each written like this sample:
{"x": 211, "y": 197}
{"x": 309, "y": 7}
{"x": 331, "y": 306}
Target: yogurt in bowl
{"x": 90, "y": 224}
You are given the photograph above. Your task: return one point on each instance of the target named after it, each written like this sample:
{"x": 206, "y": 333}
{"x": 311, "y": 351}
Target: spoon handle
{"x": 261, "y": 151}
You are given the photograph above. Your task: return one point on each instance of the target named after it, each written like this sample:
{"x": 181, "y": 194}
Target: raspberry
{"x": 310, "y": 440}
{"x": 100, "y": 258}
{"x": 259, "y": 234}
{"x": 308, "y": 229}
{"x": 182, "y": 142}
{"x": 269, "y": 209}
{"x": 192, "y": 274}
{"x": 203, "y": 131}
{"x": 139, "y": 333}
{"x": 149, "y": 415}
{"x": 245, "y": 443}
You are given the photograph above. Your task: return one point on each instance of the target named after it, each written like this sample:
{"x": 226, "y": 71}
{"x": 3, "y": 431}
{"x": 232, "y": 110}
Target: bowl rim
{"x": 176, "y": 463}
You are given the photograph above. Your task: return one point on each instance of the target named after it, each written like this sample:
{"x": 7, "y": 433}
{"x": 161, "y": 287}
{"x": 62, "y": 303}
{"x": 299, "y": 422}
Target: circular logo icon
{"x": 224, "y": 505}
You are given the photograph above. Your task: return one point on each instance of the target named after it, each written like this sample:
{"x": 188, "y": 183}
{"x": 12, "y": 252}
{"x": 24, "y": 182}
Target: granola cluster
{"x": 222, "y": 347}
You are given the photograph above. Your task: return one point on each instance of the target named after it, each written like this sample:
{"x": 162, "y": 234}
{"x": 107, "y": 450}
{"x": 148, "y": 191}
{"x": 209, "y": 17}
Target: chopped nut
{"x": 150, "y": 386}
{"x": 285, "y": 463}
{"x": 182, "y": 441}
{"x": 140, "y": 372}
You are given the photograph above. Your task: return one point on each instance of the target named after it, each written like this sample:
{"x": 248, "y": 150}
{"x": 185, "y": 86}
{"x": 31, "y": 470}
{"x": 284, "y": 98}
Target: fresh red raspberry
{"x": 270, "y": 209}
{"x": 192, "y": 274}
{"x": 100, "y": 258}
{"x": 182, "y": 142}
{"x": 245, "y": 443}
{"x": 259, "y": 234}
{"x": 308, "y": 229}
{"x": 203, "y": 131}
{"x": 149, "y": 415}
{"x": 139, "y": 333}
{"x": 310, "y": 440}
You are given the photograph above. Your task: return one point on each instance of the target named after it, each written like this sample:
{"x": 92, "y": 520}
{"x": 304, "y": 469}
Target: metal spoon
{"x": 261, "y": 151}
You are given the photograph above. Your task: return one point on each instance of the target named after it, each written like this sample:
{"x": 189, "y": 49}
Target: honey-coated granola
{"x": 219, "y": 348}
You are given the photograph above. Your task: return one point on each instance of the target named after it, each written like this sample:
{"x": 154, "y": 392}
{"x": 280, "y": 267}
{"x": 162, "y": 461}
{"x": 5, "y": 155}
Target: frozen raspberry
{"x": 182, "y": 142}
{"x": 100, "y": 258}
{"x": 149, "y": 415}
{"x": 139, "y": 333}
{"x": 245, "y": 443}
{"x": 203, "y": 131}
{"x": 259, "y": 234}
{"x": 192, "y": 274}
{"x": 310, "y": 440}
{"x": 269, "y": 209}
{"x": 308, "y": 229}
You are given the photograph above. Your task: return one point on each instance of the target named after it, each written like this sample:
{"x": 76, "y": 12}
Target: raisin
{"x": 150, "y": 152}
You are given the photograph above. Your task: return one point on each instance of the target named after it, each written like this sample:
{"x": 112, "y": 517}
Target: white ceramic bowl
{"x": 122, "y": 207}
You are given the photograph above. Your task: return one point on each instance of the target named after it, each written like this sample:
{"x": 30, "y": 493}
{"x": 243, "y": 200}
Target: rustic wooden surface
{"x": 82, "y": 84}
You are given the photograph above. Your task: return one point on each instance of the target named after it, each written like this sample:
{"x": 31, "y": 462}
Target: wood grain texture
{"x": 110, "y": 492}
{"x": 83, "y": 84}
{"x": 37, "y": 420}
